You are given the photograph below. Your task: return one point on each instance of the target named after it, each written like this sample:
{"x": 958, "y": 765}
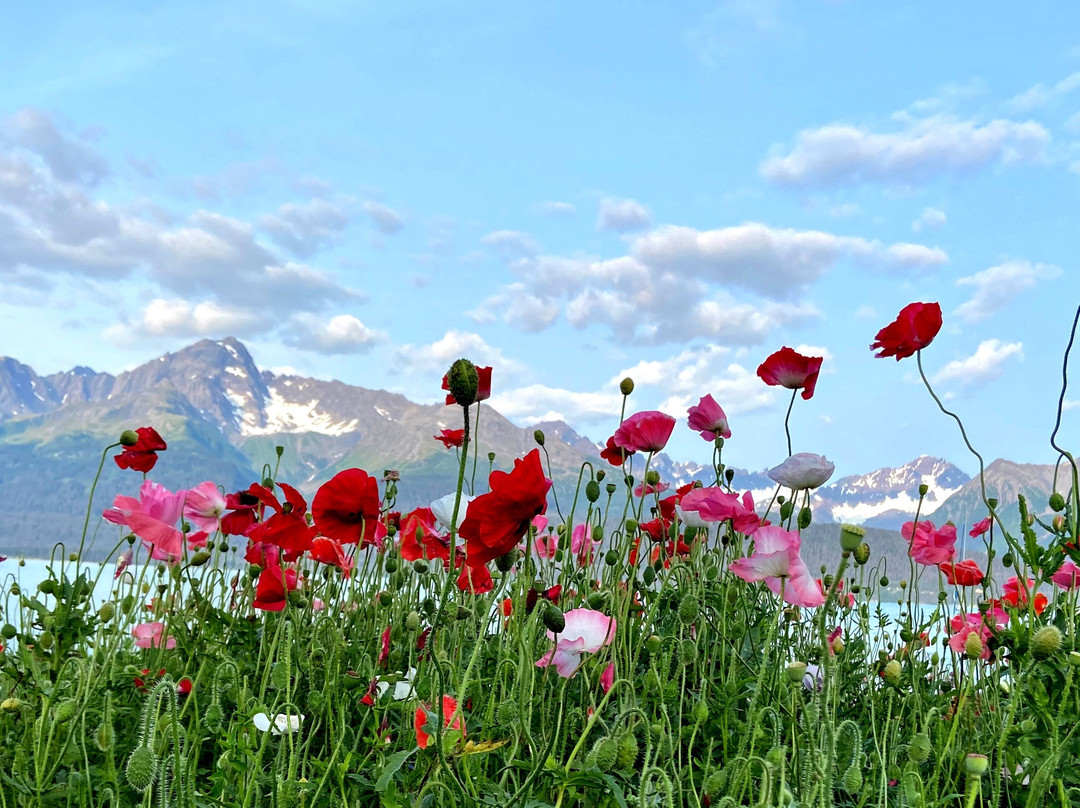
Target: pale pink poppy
{"x": 713, "y": 505}
{"x": 645, "y": 431}
{"x": 776, "y": 558}
{"x": 152, "y": 517}
{"x": 582, "y": 543}
{"x": 122, "y": 562}
{"x": 203, "y": 507}
{"x": 708, "y": 418}
{"x": 1067, "y": 576}
{"x": 802, "y": 471}
{"x": 643, "y": 489}
{"x": 150, "y": 635}
{"x": 586, "y": 631}
{"x": 546, "y": 544}
{"x": 930, "y": 545}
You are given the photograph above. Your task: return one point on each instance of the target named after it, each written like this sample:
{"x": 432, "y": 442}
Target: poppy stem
{"x": 787, "y": 418}
{"x": 90, "y": 499}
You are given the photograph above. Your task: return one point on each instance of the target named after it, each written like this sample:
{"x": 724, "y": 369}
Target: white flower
{"x": 802, "y": 471}
{"x": 403, "y": 688}
{"x": 281, "y": 724}
{"x": 443, "y": 509}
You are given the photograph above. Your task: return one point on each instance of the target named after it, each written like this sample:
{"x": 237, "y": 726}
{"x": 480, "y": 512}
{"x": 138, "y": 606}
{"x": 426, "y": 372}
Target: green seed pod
{"x": 553, "y": 618}
{"x": 141, "y": 768}
{"x": 851, "y": 537}
{"x": 592, "y": 490}
{"x": 605, "y": 752}
{"x": 689, "y": 610}
{"x": 805, "y": 517}
{"x": 919, "y": 749}
{"x": 652, "y": 477}
{"x": 1046, "y": 642}
{"x": 631, "y": 527}
{"x": 610, "y": 488}
{"x": 47, "y": 587}
{"x": 862, "y": 554}
{"x": 976, "y": 765}
{"x": 129, "y": 437}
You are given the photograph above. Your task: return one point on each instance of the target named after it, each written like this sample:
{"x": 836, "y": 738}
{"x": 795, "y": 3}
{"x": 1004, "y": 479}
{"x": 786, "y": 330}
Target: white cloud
{"x": 179, "y": 318}
{"x": 1040, "y": 95}
{"x": 453, "y": 345}
{"x": 622, "y": 215}
{"x": 982, "y": 366}
{"x": 1070, "y": 404}
{"x": 342, "y": 334}
{"x": 840, "y": 153}
{"x": 518, "y": 307}
{"x": 386, "y": 220}
{"x": 510, "y": 244}
{"x": 305, "y": 229}
{"x": 929, "y": 219}
{"x": 997, "y": 286}
{"x": 69, "y": 159}
{"x": 558, "y": 209}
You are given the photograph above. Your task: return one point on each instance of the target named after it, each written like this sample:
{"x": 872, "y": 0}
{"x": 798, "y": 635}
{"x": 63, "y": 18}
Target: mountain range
{"x": 223, "y": 418}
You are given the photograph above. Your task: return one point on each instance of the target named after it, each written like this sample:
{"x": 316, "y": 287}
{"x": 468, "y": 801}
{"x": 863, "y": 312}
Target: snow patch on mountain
{"x": 289, "y": 416}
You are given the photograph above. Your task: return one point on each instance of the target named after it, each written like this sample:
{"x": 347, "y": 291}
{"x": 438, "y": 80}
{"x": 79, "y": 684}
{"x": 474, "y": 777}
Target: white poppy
{"x": 281, "y": 724}
{"x": 443, "y": 509}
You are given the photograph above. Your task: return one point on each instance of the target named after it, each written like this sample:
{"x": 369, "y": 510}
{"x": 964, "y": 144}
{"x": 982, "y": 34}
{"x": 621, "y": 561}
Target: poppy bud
{"x": 852, "y": 781}
{"x": 505, "y": 562}
{"x": 838, "y": 646}
{"x": 919, "y": 748}
{"x": 298, "y": 599}
{"x": 391, "y": 564}
{"x": 1058, "y": 523}
{"x": 631, "y": 526}
{"x": 1057, "y": 502}
{"x": 1046, "y": 642}
{"x": 604, "y": 753}
{"x": 538, "y": 436}
{"x": 420, "y": 566}
{"x": 107, "y": 611}
{"x": 104, "y": 736}
{"x": 1029, "y": 520}
{"x": 141, "y": 768}
{"x": 729, "y": 474}
{"x": 652, "y": 644}
{"x": 200, "y": 558}
{"x": 1074, "y": 659}
{"x": 687, "y": 652}
{"x": 892, "y": 671}
{"x": 597, "y": 600}
{"x": 279, "y": 450}
{"x": 648, "y": 576}
{"x": 862, "y": 554}
{"x": 385, "y": 598}
{"x": 626, "y": 386}
{"x": 65, "y": 710}
{"x": 508, "y": 712}
{"x": 8, "y": 632}
{"x": 652, "y": 477}
{"x": 785, "y": 509}
{"x": 688, "y": 610}
{"x": 976, "y": 765}
{"x": 805, "y": 518}
{"x": 45, "y": 640}
{"x": 463, "y": 381}
{"x": 628, "y": 751}
{"x": 851, "y": 537}
{"x": 129, "y": 437}
{"x": 884, "y": 581}
{"x": 1027, "y": 726}
{"x": 1007, "y": 559}
{"x": 923, "y": 488}
{"x": 973, "y": 646}
{"x": 611, "y": 558}
{"x": 701, "y": 712}
{"x": 592, "y": 490}
{"x": 553, "y": 618}
{"x": 412, "y": 620}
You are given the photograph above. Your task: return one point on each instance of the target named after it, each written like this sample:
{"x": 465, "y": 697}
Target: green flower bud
{"x": 45, "y": 640}
{"x": 1046, "y": 642}
{"x": 652, "y": 644}
{"x": 592, "y": 490}
{"x": 1007, "y": 559}
{"x": 652, "y": 477}
{"x": 47, "y": 587}
{"x": 689, "y": 610}
{"x": 611, "y": 558}
{"x": 420, "y": 566}
{"x": 852, "y": 780}
{"x": 129, "y": 437}
{"x": 104, "y": 736}
{"x": 385, "y": 598}
{"x": 626, "y": 386}
{"x": 648, "y": 576}
{"x": 200, "y": 558}
{"x": 391, "y": 564}
{"x": 1057, "y": 502}
{"x": 538, "y": 436}
{"x": 851, "y": 536}
{"x": 884, "y": 581}
{"x": 628, "y": 751}
{"x": 505, "y": 562}
{"x": 463, "y": 381}
{"x": 919, "y": 749}
{"x": 412, "y": 620}
{"x": 892, "y": 672}
{"x": 66, "y": 710}
{"x": 1027, "y": 726}
{"x": 631, "y": 527}
{"x": 687, "y": 652}
{"x": 701, "y": 712}
{"x": 605, "y": 752}
{"x": 785, "y": 510}
{"x": 805, "y": 517}
{"x": 973, "y": 646}
{"x": 8, "y": 632}
{"x": 141, "y": 768}
{"x": 553, "y": 618}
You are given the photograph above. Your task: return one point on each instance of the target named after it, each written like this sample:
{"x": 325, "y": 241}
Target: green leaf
{"x": 393, "y": 763}
{"x": 620, "y": 798}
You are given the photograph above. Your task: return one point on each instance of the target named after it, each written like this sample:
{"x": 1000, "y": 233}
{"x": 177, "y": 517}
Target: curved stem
{"x": 787, "y": 418}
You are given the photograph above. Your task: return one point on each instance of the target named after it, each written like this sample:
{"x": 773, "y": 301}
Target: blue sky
{"x": 568, "y": 192}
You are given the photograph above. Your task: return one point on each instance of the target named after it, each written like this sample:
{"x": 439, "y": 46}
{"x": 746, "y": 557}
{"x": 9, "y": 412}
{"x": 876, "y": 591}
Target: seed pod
{"x": 553, "y": 618}
{"x": 862, "y": 554}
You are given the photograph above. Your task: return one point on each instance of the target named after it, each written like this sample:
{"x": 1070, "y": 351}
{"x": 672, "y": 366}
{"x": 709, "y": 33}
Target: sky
{"x": 570, "y": 193}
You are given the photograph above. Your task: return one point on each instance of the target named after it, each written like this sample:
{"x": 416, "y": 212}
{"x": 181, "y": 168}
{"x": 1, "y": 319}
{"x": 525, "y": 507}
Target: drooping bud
{"x": 129, "y": 437}
{"x": 141, "y": 768}
{"x": 592, "y": 490}
{"x": 626, "y": 386}
{"x": 1046, "y": 642}
{"x": 851, "y": 536}
{"x": 805, "y": 517}
{"x": 689, "y": 610}
{"x": 553, "y": 618}
{"x": 604, "y": 753}
{"x": 463, "y": 381}
{"x": 200, "y": 558}
{"x": 919, "y": 748}
{"x": 652, "y": 477}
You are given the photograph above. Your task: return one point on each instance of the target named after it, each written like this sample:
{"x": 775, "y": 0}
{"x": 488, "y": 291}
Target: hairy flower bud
{"x": 628, "y": 751}
{"x": 141, "y": 768}
{"x": 973, "y": 645}
{"x": 919, "y": 749}
{"x": 1046, "y": 642}
{"x": 200, "y": 558}
{"x": 592, "y": 490}
{"x": 652, "y": 644}
{"x": 852, "y": 780}
{"x": 553, "y": 618}
{"x": 463, "y": 382}
{"x": 605, "y": 752}
{"x": 626, "y": 386}
{"x": 891, "y": 672}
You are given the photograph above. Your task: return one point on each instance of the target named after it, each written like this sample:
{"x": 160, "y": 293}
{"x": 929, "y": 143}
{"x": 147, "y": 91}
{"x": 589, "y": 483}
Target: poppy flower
{"x": 287, "y": 527}
{"x": 711, "y": 505}
{"x": 329, "y": 551}
{"x": 183, "y": 687}
{"x": 273, "y": 588}
{"x": 1067, "y": 576}
{"x": 586, "y": 631}
{"x": 644, "y": 431}
{"x": 980, "y": 527}
{"x": 707, "y": 417}
{"x": 582, "y": 543}
{"x": 150, "y": 635}
{"x": 122, "y": 562}
{"x": 240, "y": 515}
{"x": 775, "y": 558}
{"x": 1017, "y": 596}
{"x": 142, "y": 455}
{"x": 802, "y": 471}
{"x": 280, "y": 724}
{"x": 930, "y": 545}
{"x": 963, "y": 573}
{"x": 961, "y": 626}
{"x": 498, "y": 519}
{"x": 384, "y": 647}
{"x": 615, "y": 455}
{"x": 607, "y": 678}
{"x": 443, "y": 509}
{"x": 152, "y": 517}
{"x": 790, "y": 369}
{"x": 475, "y": 579}
{"x": 141, "y": 684}
{"x": 451, "y": 437}
{"x": 913, "y": 329}
{"x": 483, "y": 387}
{"x": 450, "y": 713}
{"x": 419, "y": 538}
{"x": 346, "y": 507}
{"x": 204, "y": 506}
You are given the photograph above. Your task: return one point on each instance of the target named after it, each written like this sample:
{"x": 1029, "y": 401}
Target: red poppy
{"x": 273, "y": 588}
{"x": 913, "y": 329}
{"x": 384, "y": 647}
{"x": 449, "y": 708}
{"x": 329, "y": 551}
{"x": 241, "y": 513}
{"x": 790, "y": 369}
{"x": 963, "y": 573}
{"x": 1016, "y": 595}
{"x": 420, "y": 539}
{"x": 142, "y": 684}
{"x": 287, "y": 527}
{"x": 483, "y": 387}
{"x": 346, "y": 508}
{"x": 183, "y": 687}
{"x": 644, "y": 431}
{"x": 142, "y": 455}
{"x": 451, "y": 437}
{"x": 476, "y": 579}
{"x": 613, "y": 454}
{"x": 496, "y": 521}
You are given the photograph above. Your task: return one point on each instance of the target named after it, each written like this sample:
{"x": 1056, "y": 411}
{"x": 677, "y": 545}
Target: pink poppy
{"x": 150, "y": 635}
{"x": 802, "y": 471}
{"x": 713, "y": 505}
{"x": 607, "y": 678}
{"x": 586, "y": 631}
{"x": 930, "y": 545}
{"x": 152, "y": 517}
{"x": 203, "y": 506}
{"x": 1067, "y": 576}
{"x": 582, "y": 543}
{"x": 643, "y": 489}
{"x": 790, "y": 369}
{"x": 546, "y": 544}
{"x": 645, "y": 431}
{"x": 980, "y": 527}
{"x": 775, "y": 557}
{"x": 961, "y": 626}
{"x": 708, "y": 418}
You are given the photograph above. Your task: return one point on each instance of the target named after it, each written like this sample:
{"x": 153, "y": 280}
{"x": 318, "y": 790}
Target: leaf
{"x": 393, "y": 763}
{"x": 616, "y": 790}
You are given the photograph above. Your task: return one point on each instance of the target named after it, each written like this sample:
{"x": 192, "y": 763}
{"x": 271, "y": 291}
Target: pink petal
{"x": 595, "y": 629}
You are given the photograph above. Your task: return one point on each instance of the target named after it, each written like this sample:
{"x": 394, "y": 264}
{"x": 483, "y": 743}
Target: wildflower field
{"x": 637, "y": 645}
